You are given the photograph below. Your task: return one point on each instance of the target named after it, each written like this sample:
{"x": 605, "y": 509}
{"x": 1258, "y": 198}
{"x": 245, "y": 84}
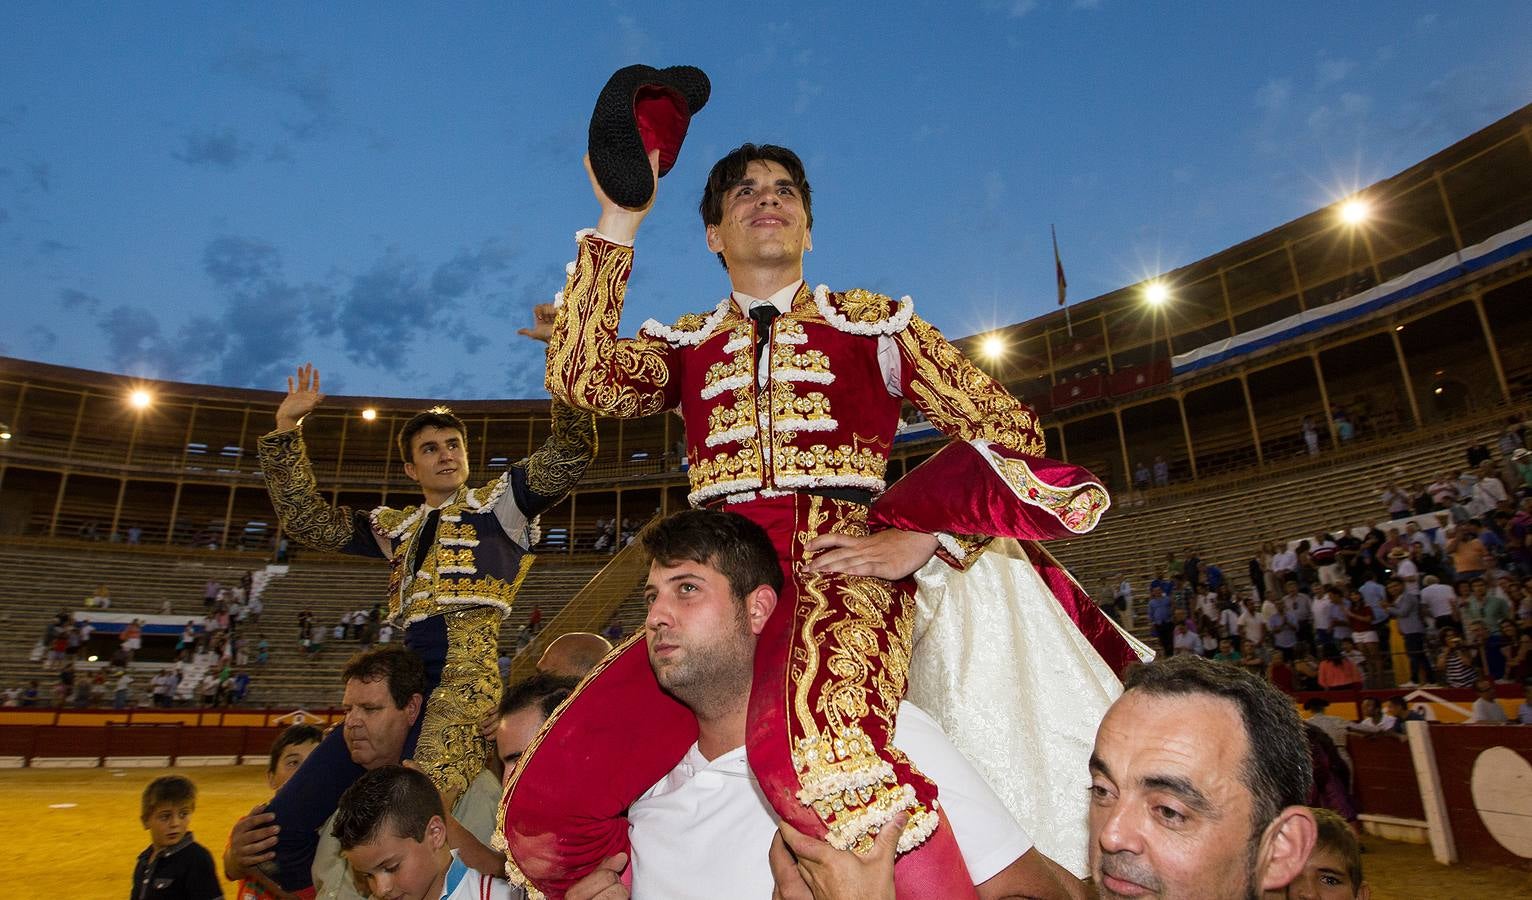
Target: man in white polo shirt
{"x": 706, "y": 828}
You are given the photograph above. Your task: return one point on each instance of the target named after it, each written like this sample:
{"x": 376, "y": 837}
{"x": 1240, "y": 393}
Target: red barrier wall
{"x": 1504, "y": 793}
{"x": 1384, "y": 776}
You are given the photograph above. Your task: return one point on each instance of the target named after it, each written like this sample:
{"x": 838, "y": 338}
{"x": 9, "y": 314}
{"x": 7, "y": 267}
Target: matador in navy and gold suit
{"x": 790, "y": 419}
{"x": 454, "y": 573}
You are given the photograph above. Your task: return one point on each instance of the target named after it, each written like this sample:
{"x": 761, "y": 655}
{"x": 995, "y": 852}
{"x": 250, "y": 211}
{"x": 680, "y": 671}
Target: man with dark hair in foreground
{"x": 1199, "y": 777}
{"x": 704, "y": 829}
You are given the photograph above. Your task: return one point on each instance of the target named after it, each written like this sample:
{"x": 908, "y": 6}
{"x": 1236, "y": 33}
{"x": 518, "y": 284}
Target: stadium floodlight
{"x": 5, "y": 432}
{"x": 1156, "y": 292}
{"x": 1355, "y": 211}
{"x": 369, "y": 414}
{"x": 140, "y": 399}
{"x": 993, "y": 347}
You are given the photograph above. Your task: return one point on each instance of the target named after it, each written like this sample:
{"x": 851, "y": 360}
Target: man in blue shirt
{"x": 1376, "y": 596}
{"x": 1160, "y": 617}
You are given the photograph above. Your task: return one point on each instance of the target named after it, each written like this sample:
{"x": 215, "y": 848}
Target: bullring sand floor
{"x": 75, "y": 833}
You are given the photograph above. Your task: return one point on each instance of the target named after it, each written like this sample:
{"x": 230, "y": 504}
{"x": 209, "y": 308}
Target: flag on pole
{"x": 1058, "y": 267}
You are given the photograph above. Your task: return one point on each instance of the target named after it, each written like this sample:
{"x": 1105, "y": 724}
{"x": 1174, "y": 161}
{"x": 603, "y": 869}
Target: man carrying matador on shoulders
{"x": 791, "y": 396}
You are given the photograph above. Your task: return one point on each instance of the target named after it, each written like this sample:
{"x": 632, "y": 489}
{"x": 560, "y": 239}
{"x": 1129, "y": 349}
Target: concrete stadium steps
{"x": 50, "y": 574}
{"x": 1228, "y": 520}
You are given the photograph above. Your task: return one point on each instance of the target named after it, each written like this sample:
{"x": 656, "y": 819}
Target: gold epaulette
{"x": 859, "y": 311}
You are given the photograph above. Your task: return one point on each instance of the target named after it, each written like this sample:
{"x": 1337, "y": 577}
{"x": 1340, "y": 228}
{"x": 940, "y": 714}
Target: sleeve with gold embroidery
{"x": 957, "y": 397}
{"x": 962, "y": 402}
{"x": 589, "y": 366}
{"x": 542, "y": 479}
{"x": 305, "y": 516}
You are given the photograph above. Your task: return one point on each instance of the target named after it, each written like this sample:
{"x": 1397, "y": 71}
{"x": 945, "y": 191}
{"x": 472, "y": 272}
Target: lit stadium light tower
{"x": 140, "y": 399}
{"x": 5, "y": 432}
{"x": 993, "y": 347}
{"x": 1156, "y": 292}
{"x": 369, "y": 414}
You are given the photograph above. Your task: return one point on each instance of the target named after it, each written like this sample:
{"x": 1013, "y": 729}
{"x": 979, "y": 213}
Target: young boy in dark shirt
{"x": 174, "y": 867}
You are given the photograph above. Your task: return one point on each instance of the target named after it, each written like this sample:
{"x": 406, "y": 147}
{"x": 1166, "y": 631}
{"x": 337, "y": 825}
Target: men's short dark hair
{"x": 292, "y": 736}
{"x": 167, "y": 790}
{"x": 403, "y": 798}
{"x": 728, "y": 542}
{"x": 541, "y": 690}
{"x": 436, "y": 417}
{"x": 730, "y": 170}
{"x": 401, "y": 668}
{"x": 1277, "y": 770}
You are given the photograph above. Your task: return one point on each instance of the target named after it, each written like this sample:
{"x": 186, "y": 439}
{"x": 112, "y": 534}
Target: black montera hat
{"x": 642, "y": 109}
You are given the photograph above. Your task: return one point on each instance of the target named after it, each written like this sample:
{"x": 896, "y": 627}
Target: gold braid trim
{"x": 555, "y": 467}
{"x": 305, "y": 516}
{"x": 958, "y": 398}
{"x": 589, "y": 367}
{"x": 450, "y": 749}
{"x": 850, "y": 662}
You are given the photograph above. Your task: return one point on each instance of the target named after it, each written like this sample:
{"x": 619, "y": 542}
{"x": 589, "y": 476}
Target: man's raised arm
{"x": 307, "y": 517}
{"x": 589, "y": 366}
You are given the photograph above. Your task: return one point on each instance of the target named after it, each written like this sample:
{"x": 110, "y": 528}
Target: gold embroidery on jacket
{"x": 588, "y": 365}
{"x": 555, "y": 467}
{"x": 450, "y": 749}
{"x": 958, "y": 398}
{"x": 304, "y": 514}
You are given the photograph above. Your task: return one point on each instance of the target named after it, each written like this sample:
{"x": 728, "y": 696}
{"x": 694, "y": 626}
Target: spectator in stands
{"x": 1329, "y": 605}
{"x": 1124, "y": 600}
{"x": 1470, "y": 558}
{"x": 210, "y": 593}
{"x": 1459, "y": 661}
{"x": 1305, "y": 668}
{"x": 31, "y": 696}
{"x": 1337, "y": 673}
{"x": 1223, "y": 757}
{"x": 1226, "y": 652}
{"x": 1518, "y": 664}
{"x": 1249, "y": 623}
{"x": 101, "y": 599}
{"x": 1161, "y": 472}
{"x": 1521, "y": 466}
{"x": 174, "y": 866}
{"x": 1438, "y": 599}
{"x": 1523, "y": 712}
{"x": 1310, "y": 435}
{"x": 1185, "y": 641}
{"x": 1486, "y": 710}
{"x": 1495, "y": 605}
{"x": 1283, "y": 564}
{"x": 1488, "y": 492}
{"x": 1396, "y": 500}
{"x": 383, "y": 700}
{"x": 1141, "y": 477}
{"x": 1161, "y": 618}
{"x": 122, "y": 690}
{"x": 1373, "y": 720}
{"x": 1406, "y": 613}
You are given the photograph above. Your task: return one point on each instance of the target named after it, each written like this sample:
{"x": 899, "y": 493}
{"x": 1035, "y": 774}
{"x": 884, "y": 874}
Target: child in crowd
{"x": 392, "y": 830}
{"x": 174, "y": 865}
{"x": 289, "y": 751}
{"x": 1334, "y": 869}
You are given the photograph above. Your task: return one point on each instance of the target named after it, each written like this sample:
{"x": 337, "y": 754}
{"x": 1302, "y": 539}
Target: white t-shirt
{"x": 1438, "y": 599}
{"x": 704, "y": 830}
{"x": 1407, "y": 572}
{"x": 1323, "y": 608}
{"x": 463, "y": 883}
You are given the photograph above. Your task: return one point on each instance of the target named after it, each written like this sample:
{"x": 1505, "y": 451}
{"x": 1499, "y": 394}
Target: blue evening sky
{"x": 217, "y": 191}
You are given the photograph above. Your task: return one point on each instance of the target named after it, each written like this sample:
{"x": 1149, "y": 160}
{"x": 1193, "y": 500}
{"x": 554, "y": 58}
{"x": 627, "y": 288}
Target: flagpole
{"x": 1058, "y": 268}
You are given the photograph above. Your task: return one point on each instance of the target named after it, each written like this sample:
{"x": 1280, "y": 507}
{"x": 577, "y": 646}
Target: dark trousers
{"x": 1166, "y": 634}
{"x": 1421, "y": 671}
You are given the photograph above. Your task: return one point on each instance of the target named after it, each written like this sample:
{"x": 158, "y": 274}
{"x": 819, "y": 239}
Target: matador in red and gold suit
{"x": 790, "y": 418}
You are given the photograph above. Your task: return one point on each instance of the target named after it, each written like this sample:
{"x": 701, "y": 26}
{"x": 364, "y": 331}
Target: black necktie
{"x": 763, "y": 314}
{"x": 424, "y": 539}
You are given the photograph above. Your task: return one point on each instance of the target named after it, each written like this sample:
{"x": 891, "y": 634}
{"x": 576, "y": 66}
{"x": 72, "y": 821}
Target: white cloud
{"x": 1333, "y": 70}
{"x": 1274, "y": 94}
